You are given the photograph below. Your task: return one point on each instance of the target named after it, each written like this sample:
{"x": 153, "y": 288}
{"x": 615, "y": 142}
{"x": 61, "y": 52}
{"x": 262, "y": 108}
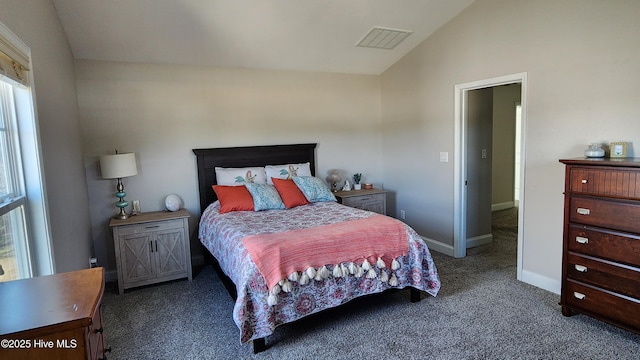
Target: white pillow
{"x": 240, "y": 176}
{"x": 287, "y": 171}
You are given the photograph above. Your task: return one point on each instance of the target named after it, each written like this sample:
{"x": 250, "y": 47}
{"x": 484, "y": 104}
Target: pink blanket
{"x": 278, "y": 255}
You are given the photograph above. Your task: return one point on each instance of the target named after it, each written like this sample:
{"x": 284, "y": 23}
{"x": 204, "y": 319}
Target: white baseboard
{"x": 502, "y": 206}
{"x": 434, "y": 245}
{"x": 479, "y": 240}
{"x": 541, "y": 281}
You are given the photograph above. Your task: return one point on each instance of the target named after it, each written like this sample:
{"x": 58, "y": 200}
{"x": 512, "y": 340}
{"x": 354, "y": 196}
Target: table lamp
{"x": 333, "y": 179}
{"x": 119, "y": 166}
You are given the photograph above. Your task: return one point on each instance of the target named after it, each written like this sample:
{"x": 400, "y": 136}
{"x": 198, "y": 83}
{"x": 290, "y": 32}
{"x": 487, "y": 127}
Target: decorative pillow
{"x": 314, "y": 189}
{"x": 233, "y": 198}
{"x": 287, "y": 171}
{"x": 239, "y": 176}
{"x": 289, "y": 192}
{"x": 265, "y": 197}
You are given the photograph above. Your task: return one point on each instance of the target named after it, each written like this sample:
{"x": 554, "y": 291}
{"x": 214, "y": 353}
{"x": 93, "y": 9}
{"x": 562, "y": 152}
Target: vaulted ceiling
{"x": 308, "y": 35}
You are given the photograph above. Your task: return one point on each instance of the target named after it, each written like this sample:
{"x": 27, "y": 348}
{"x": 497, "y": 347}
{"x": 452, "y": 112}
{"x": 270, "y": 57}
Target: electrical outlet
{"x": 403, "y": 214}
{"x": 93, "y": 262}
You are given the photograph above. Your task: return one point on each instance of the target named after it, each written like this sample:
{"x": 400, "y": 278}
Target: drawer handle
{"x": 582, "y": 240}
{"x": 152, "y": 227}
{"x": 581, "y": 268}
{"x": 579, "y": 296}
{"x": 583, "y": 211}
{"x": 584, "y": 181}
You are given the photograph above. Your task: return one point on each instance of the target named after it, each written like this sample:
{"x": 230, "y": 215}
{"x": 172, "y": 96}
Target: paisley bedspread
{"x": 222, "y": 235}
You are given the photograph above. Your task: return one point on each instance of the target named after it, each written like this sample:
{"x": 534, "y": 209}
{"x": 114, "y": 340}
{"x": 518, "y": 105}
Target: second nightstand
{"x": 367, "y": 199}
{"x": 152, "y": 247}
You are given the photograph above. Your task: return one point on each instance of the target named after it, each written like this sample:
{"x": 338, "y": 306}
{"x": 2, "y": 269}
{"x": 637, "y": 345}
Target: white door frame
{"x": 460, "y": 144}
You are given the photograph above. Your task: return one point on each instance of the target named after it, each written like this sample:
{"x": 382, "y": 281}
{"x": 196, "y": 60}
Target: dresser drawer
{"x": 621, "y": 183}
{"x": 603, "y": 243}
{"x": 602, "y": 304}
{"x": 150, "y": 226}
{"x": 95, "y": 337}
{"x": 360, "y": 201}
{"x": 371, "y": 202}
{"x": 608, "y": 275}
{"x": 617, "y": 215}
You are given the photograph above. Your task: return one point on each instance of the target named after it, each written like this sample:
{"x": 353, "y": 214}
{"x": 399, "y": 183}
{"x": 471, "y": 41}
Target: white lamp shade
{"x": 118, "y": 165}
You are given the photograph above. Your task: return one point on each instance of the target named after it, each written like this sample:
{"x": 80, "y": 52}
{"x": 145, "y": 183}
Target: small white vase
{"x": 594, "y": 151}
{"x": 357, "y": 186}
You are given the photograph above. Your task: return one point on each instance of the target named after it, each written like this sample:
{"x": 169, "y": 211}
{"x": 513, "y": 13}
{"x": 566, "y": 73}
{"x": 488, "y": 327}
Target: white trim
{"x": 30, "y": 147}
{"x": 541, "y": 281}
{"x": 479, "y": 240}
{"x": 459, "y": 174}
{"x": 502, "y": 206}
{"x": 459, "y": 197}
{"x": 435, "y": 245}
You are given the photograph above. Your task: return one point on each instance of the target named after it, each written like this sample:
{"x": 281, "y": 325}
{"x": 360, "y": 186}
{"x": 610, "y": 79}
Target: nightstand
{"x": 152, "y": 247}
{"x": 366, "y": 199}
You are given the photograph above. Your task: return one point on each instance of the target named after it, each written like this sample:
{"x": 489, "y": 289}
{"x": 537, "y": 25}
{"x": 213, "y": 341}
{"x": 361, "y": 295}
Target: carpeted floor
{"x": 481, "y": 312}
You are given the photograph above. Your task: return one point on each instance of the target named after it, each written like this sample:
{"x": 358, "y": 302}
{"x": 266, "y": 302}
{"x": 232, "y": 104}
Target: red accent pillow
{"x": 233, "y": 198}
{"x": 289, "y": 192}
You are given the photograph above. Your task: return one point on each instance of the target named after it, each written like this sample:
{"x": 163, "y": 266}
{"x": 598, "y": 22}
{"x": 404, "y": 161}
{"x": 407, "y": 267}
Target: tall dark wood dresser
{"x": 601, "y": 250}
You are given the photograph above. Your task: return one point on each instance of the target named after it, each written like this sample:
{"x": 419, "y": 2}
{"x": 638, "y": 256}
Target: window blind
{"x": 14, "y": 60}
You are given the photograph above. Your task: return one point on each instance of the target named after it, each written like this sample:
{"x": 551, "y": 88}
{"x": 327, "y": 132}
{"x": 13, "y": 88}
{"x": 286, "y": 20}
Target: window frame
{"x": 30, "y": 193}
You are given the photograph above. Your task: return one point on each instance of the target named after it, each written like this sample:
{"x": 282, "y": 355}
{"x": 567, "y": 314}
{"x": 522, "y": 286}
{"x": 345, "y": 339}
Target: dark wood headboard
{"x": 208, "y": 159}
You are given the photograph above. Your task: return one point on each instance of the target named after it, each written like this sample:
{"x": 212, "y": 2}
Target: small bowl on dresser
{"x": 367, "y": 186}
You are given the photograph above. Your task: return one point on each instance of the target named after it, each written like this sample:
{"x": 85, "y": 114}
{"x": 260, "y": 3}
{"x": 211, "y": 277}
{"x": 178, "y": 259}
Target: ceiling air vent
{"x": 383, "y": 38}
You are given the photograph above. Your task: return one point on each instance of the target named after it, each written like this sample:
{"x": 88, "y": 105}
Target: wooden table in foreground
{"x": 53, "y": 317}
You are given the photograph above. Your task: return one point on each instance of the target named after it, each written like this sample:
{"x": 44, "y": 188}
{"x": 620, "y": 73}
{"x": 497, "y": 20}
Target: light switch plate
{"x": 444, "y": 156}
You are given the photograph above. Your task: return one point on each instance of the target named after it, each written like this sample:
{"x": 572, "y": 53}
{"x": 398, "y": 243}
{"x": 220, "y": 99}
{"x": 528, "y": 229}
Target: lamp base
{"x": 121, "y": 203}
{"x": 121, "y": 217}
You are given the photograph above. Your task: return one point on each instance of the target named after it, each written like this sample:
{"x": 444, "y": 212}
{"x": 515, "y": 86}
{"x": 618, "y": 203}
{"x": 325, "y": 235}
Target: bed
{"x": 268, "y": 294}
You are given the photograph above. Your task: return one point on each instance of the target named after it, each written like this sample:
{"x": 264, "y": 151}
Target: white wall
{"x": 36, "y": 23}
{"x": 583, "y": 72}
{"x": 162, "y": 112}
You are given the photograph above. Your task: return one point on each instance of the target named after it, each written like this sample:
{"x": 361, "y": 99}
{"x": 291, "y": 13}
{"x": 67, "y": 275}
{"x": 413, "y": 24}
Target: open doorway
{"x": 463, "y": 171}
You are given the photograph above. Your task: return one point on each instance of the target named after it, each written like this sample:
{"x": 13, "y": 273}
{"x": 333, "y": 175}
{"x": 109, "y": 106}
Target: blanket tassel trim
{"x": 340, "y": 270}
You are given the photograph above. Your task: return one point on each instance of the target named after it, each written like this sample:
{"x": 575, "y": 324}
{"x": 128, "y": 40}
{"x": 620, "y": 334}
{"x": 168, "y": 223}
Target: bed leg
{"x": 415, "y": 294}
{"x": 259, "y": 345}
